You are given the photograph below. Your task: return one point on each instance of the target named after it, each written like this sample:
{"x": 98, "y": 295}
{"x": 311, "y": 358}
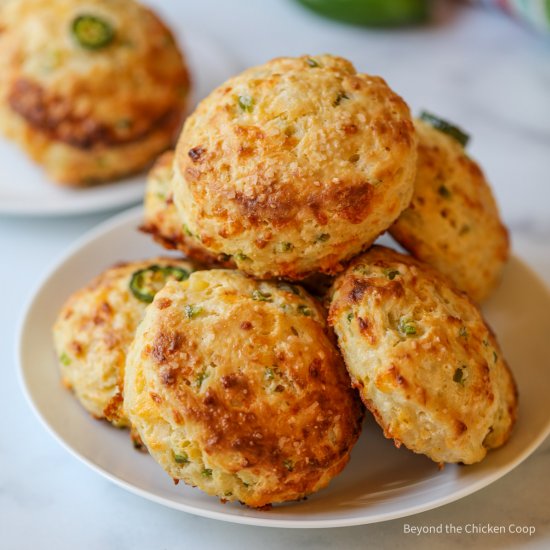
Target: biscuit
{"x": 453, "y": 222}
{"x": 235, "y": 387}
{"x": 92, "y": 91}
{"x": 93, "y": 331}
{"x": 425, "y": 362}
{"x": 162, "y": 222}
{"x": 295, "y": 166}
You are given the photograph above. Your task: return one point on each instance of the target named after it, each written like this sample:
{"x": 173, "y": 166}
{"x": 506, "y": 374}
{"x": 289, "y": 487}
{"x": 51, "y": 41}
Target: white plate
{"x": 380, "y": 483}
{"x": 26, "y": 190}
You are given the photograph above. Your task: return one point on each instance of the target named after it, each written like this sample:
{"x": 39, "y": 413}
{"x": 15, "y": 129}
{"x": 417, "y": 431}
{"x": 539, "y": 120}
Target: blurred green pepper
{"x": 375, "y": 13}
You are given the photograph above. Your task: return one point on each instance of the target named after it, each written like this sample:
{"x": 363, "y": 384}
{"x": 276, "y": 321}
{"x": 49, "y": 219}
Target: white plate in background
{"x": 380, "y": 482}
{"x": 25, "y": 189}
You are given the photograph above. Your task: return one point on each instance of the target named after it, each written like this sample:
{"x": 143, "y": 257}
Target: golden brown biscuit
{"x": 162, "y": 222}
{"x": 235, "y": 387}
{"x": 453, "y": 222}
{"x": 94, "y": 90}
{"x": 426, "y": 364}
{"x": 295, "y": 166}
{"x": 94, "y": 329}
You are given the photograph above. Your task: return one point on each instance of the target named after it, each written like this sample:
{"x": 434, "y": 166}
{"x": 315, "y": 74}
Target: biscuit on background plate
{"x": 91, "y": 90}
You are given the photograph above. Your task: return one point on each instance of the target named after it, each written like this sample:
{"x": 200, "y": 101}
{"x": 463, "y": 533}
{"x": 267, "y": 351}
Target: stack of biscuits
{"x": 245, "y": 368}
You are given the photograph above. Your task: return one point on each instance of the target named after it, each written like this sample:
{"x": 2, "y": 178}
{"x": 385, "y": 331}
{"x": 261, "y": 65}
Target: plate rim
{"x": 135, "y": 214}
{"x": 133, "y": 194}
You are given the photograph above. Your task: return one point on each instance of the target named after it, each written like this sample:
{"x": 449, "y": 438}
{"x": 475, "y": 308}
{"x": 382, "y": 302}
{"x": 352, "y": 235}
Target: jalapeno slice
{"x": 376, "y": 13}
{"x": 92, "y": 32}
{"x": 145, "y": 283}
{"x": 446, "y": 127}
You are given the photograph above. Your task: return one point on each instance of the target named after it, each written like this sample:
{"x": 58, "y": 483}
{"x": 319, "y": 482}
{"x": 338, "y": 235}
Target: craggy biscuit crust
{"x": 92, "y": 333}
{"x": 235, "y": 387}
{"x": 425, "y": 362}
{"x": 295, "y": 166}
{"x": 453, "y": 222}
{"x": 89, "y": 115}
{"x": 162, "y": 220}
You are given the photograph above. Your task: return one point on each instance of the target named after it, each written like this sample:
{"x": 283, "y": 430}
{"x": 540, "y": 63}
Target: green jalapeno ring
{"x": 446, "y": 127}
{"x": 92, "y": 32}
{"x": 142, "y": 283}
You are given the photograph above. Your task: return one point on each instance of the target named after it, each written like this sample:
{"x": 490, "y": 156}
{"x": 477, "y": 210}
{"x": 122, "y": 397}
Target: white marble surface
{"x": 475, "y": 67}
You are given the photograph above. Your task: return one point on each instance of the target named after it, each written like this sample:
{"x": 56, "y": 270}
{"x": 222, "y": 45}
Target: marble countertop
{"x": 475, "y": 67}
